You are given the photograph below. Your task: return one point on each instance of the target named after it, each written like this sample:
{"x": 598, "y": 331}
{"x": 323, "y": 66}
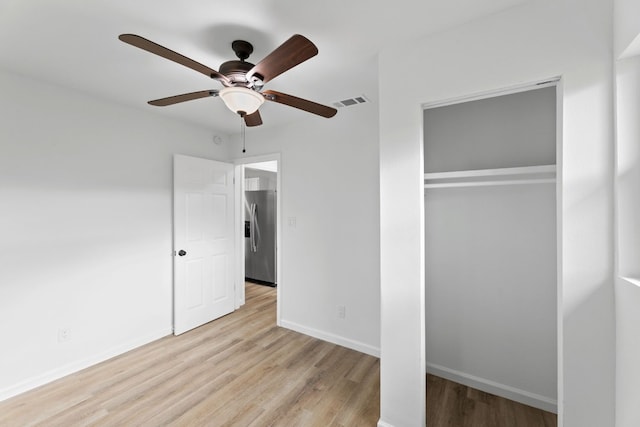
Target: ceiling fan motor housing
{"x": 236, "y": 71}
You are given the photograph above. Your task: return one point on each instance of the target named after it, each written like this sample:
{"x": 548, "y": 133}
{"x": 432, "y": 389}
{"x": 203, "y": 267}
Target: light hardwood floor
{"x": 240, "y": 370}
{"x": 451, "y": 404}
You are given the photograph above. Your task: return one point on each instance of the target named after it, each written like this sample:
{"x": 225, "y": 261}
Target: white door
{"x": 203, "y": 201}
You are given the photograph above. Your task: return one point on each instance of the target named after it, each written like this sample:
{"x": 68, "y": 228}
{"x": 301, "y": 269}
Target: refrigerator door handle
{"x": 251, "y": 230}
{"x": 254, "y": 246}
{"x": 256, "y": 236}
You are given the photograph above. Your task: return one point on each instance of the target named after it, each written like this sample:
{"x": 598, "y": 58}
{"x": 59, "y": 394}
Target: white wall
{"x": 628, "y": 165}
{"x": 491, "y": 289}
{"x": 627, "y": 27}
{"x": 329, "y": 184}
{"x": 529, "y": 43}
{"x": 86, "y": 245}
{"x": 628, "y": 242}
{"x": 266, "y": 180}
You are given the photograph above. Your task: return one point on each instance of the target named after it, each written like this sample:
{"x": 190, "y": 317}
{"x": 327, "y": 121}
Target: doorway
{"x": 258, "y": 222}
{"x": 491, "y": 242}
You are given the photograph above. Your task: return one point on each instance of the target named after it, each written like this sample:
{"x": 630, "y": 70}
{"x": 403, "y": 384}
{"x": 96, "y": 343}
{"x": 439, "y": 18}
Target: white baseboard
{"x": 332, "y": 338}
{"x": 71, "y": 368}
{"x": 502, "y": 390}
{"x": 383, "y": 424}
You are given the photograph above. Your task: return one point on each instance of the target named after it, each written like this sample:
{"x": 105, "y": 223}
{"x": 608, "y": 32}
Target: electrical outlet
{"x": 63, "y": 335}
{"x": 342, "y": 312}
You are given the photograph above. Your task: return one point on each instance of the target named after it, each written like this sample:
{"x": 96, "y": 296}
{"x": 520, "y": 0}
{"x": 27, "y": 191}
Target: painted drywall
{"x": 628, "y": 165}
{"x": 518, "y": 129}
{"x": 491, "y": 289}
{"x": 525, "y": 44}
{"x": 627, "y": 28}
{"x": 628, "y": 242}
{"x": 256, "y": 179}
{"x": 86, "y": 228}
{"x": 627, "y": 352}
{"x": 329, "y": 222}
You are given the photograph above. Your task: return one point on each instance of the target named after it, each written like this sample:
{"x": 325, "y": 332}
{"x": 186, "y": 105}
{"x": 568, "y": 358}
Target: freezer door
{"x": 260, "y": 246}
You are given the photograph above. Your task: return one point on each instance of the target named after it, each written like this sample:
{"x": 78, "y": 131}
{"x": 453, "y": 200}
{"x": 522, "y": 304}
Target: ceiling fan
{"x": 243, "y": 82}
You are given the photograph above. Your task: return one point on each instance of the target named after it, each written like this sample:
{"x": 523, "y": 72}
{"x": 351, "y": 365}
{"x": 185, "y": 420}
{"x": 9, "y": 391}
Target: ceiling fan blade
{"x": 149, "y": 46}
{"x": 302, "y": 104}
{"x": 286, "y": 56}
{"x": 163, "y": 102}
{"x": 253, "y": 119}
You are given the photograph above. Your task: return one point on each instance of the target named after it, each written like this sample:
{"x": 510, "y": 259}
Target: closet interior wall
{"x": 491, "y": 244}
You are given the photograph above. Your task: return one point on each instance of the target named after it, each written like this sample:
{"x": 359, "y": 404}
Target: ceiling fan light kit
{"x": 241, "y": 100}
{"x": 243, "y": 81}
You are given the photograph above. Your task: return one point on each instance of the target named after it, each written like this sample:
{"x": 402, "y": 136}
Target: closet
{"x": 491, "y": 243}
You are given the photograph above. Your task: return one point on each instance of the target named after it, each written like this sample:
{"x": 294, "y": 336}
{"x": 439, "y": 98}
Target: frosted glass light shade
{"x": 239, "y": 99}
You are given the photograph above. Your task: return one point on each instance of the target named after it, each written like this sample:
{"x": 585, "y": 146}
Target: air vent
{"x": 351, "y": 101}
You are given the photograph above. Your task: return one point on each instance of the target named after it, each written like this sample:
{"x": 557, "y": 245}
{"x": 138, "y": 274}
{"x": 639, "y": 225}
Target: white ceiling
{"x": 73, "y": 43}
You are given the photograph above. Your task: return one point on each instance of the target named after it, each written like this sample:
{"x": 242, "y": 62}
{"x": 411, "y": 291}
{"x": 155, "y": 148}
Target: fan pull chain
{"x": 242, "y": 131}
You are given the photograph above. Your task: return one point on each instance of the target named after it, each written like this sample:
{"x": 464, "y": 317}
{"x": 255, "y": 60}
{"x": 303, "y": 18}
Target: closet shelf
{"x": 542, "y": 174}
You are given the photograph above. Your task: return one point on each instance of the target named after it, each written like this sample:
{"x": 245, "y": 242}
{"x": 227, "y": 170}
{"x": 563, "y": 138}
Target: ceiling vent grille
{"x": 351, "y": 101}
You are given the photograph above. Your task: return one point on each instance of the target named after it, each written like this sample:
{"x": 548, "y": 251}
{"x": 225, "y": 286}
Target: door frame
{"x": 239, "y": 226}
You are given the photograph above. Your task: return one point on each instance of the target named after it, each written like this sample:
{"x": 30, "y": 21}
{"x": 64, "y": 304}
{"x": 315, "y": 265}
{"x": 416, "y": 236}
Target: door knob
{"x": 182, "y": 252}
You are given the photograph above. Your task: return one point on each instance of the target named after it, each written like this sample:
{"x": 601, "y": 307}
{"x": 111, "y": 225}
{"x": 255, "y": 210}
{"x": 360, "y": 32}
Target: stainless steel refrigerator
{"x": 260, "y": 236}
